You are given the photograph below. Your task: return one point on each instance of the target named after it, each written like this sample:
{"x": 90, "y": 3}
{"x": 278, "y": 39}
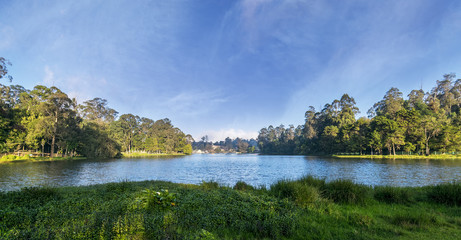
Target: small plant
{"x": 162, "y": 200}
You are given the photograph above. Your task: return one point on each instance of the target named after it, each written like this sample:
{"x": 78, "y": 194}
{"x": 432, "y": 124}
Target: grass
{"x": 307, "y": 208}
{"x": 12, "y": 158}
{"x": 145, "y": 154}
{"x": 434, "y": 156}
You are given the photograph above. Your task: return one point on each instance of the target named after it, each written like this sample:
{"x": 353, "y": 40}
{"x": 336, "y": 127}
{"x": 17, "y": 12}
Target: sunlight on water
{"x": 227, "y": 169}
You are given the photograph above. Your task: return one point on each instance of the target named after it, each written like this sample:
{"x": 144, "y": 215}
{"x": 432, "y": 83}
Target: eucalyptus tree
{"x": 4, "y": 63}
{"x": 97, "y": 110}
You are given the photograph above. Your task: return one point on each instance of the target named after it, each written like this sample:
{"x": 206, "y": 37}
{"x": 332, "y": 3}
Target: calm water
{"x": 227, "y": 169}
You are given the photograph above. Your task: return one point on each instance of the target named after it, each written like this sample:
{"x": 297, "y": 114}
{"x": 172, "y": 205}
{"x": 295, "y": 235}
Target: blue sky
{"x": 229, "y": 68}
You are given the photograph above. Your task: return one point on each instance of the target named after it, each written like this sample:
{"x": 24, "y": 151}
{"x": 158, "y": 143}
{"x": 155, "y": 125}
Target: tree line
{"x": 46, "y": 121}
{"x": 422, "y": 123}
{"x": 227, "y": 146}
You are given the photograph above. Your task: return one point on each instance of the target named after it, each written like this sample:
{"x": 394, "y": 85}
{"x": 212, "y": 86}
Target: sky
{"x": 229, "y": 67}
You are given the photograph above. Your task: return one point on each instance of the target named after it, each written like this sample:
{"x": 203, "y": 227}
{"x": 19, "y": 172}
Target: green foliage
{"x": 242, "y": 186}
{"x": 346, "y": 191}
{"x": 162, "y": 200}
{"x": 46, "y": 120}
{"x": 447, "y": 193}
{"x": 415, "y": 220}
{"x": 302, "y": 192}
{"x": 209, "y": 185}
{"x": 424, "y": 123}
{"x": 141, "y": 210}
{"x": 11, "y": 157}
{"x": 393, "y": 195}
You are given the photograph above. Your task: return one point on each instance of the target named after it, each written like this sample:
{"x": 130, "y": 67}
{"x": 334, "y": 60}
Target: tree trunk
{"x": 52, "y": 145}
{"x": 54, "y": 134}
{"x": 427, "y": 148}
{"x": 393, "y": 149}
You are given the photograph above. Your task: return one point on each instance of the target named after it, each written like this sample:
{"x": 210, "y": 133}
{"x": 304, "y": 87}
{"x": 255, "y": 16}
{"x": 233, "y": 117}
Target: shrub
{"x": 389, "y": 194}
{"x": 345, "y": 191}
{"x": 241, "y": 185}
{"x": 209, "y": 185}
{"x": 447, "y": 193}
{"x": 311, "y": 181}
{"x": 305, "y": 194}
{"x": 283, "y": 189}
{"x": 162, "y": 200}
{"x": 297, "y": 191}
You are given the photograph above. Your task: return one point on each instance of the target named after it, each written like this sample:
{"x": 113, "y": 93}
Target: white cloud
{"x": 220, "y": 135}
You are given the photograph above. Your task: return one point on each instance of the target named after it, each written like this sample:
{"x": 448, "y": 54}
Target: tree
{"x": 97, "y": 110}
{"x": 432, "y": 126}
{"x": 4, "y": 63}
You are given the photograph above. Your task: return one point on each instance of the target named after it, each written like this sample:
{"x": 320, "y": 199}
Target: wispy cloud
{"x": 194, "y": 103}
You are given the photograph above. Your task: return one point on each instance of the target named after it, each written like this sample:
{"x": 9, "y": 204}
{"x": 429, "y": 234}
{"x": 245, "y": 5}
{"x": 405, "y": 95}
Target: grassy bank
{"x": 304, "y": 209}
{"x": 145, "y": 154}
{"x": 12, "y": 158}
{"x": 438, "y": 156}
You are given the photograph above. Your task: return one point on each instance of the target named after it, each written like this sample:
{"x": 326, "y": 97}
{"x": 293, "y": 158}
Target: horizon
{"x": 230, "y": 68}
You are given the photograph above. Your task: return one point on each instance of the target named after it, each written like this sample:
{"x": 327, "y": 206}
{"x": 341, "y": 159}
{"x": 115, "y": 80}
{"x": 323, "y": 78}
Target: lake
{"x": 227, "y": 169}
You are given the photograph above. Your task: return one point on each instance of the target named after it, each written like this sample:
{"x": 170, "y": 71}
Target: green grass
{"x": 435, "y": 156}
{"x": 145, "y": 154}
{"x": 12, "y": 158}
{"x": 307, "y": 208}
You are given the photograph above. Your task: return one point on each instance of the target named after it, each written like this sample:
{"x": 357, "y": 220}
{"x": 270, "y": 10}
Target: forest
{"x": 424, "y": 123}
{"x": 237, "y": 145}
{"x": 46, "y": 122}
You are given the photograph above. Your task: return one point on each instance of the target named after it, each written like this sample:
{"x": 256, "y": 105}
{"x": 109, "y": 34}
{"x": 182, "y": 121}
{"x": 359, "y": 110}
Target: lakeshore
{"x": 146, "y": 154}
{"x": 434, "y": 156}
{"x": 15, "y": 158}
{"x": 307, "y": 207}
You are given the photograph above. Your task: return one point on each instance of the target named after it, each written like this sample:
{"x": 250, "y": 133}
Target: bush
{"x": 393, "y": 195}
{"x": 241, "y": 185}
{"x": 305, "y": 194}
{"x": 311, "y": 181}
{"x": 161, "y": 200}
{"x": 345, "y": 191}
{"x": 283, "y": 189}
{"x": 209, "y": 185}
{"x": 225, "y": 210}
{"x": 297, "y": 191}
{"x": 447, "y": 193}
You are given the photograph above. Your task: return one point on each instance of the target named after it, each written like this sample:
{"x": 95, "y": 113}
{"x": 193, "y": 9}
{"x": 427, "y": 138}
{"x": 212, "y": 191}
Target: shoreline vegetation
{"x": 15, "y": 158}
{"x": 423, "y": 123}
{"x": 415, "y": 156}
{"x": 147, "y": 154}
{"x": 288, "y": 209}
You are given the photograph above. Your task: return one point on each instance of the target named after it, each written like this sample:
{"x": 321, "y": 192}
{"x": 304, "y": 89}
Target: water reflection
{"x": 227, "y": 169}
